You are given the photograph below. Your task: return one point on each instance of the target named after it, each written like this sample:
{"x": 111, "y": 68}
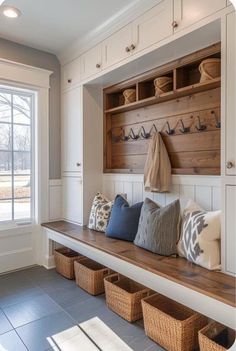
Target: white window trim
{"x": 37, "y": 79}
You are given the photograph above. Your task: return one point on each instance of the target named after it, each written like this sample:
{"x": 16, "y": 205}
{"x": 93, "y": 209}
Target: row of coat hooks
{"x": 143, "y": 134}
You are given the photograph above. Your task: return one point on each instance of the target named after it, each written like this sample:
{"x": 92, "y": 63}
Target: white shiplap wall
{"x": 205, "y": 190}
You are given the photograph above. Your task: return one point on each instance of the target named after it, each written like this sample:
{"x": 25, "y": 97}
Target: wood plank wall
{"x": 191, "y": 153}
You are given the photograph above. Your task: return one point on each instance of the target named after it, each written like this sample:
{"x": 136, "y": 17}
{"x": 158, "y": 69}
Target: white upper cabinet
{"x": 188, "y": 12}
{"x": 118, "y": 46}
{"x": 153, "y": 26}
{"x": 230, "y": 125}
{"x": 91, "y": 62}
{"x": 72, "y": 131}
{"x": 71, "y": 74}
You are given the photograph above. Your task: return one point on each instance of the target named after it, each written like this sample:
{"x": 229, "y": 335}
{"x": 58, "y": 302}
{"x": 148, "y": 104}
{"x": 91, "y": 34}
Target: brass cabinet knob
{"x": 174, "y": 24}
{"x": 127, "y": 49}
{"x": 132, "y": 47}
{"x": 229, "y": 164}
{"x": 98, "y": 65}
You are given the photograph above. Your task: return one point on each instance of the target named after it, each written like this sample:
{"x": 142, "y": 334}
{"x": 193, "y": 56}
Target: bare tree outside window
{"x": 16, "y": 113}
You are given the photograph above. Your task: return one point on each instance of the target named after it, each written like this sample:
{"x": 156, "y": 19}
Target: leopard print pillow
{"x": 200, "y": 236}
{"x": 100, "y": 213}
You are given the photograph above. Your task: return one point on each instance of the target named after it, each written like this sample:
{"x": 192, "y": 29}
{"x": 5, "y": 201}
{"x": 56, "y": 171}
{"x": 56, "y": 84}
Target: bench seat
{"x": 216, "y": 285}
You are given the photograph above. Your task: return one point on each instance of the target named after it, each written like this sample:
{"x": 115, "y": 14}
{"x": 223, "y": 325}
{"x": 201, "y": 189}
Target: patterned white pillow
{"x": 100, "y": 213}
{"x": 200, "y": 236}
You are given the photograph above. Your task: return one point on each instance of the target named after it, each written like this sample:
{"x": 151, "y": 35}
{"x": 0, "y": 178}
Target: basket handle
{"x": 114, "y": 277}
{"x": 146, "y": 292}
{"x": 107, "y": 271}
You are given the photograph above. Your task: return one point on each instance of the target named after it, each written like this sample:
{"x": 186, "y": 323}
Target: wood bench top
{"x": 214, "y": 284}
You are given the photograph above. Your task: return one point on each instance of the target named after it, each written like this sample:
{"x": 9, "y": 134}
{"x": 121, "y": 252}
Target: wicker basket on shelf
{"x": 124, "y": 296}
{"x": 163, "y": 85}
{"x": 170, "y": 324}
{"x": 64, "y": 261}
{"x": 129, "y": 95}
{"x": 89, "y": 275}
{"x": 209, "y": 69}
{"x": 216, "y": 337}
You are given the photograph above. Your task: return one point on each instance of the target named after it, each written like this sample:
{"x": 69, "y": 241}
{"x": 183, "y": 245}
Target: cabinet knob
{"x": 229, "y": 164}
{"x": 127, "y": 49}
{"x": 132, "y": 47}
{"x": 78, "y": 164}
{"x": 98, "y": 65}
{"x": 174, "y": 24}
{"x": 69, "y": 80}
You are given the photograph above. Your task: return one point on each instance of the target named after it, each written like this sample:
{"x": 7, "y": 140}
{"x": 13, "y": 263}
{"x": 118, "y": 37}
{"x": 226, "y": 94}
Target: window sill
{"x": 16, "y": 226}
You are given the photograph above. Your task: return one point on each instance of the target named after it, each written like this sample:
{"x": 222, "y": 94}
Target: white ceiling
{"x": 52, "y": 25}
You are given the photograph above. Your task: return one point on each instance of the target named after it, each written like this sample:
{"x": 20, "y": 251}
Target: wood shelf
{"x": 188, "y": 90}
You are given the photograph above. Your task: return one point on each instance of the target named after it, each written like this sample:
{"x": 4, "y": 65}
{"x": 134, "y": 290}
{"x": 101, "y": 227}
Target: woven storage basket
{"x": 123, "y": 296}
{"x": 129, "y": 95}
{"x": 172, "y": 325}
{"x": 163, "y": 85}
{"x": 216, "y": 337}
{"x": 89, "y": 275}
{"x": 209, "y": 69}
{"x": 64, "y": 261}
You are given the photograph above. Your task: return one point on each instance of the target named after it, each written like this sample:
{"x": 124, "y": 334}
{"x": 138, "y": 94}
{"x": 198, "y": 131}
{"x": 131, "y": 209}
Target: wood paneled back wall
{"x": 191, "y": 102}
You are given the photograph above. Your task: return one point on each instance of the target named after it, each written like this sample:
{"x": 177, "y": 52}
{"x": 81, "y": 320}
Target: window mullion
{"x": 12, "y": 159}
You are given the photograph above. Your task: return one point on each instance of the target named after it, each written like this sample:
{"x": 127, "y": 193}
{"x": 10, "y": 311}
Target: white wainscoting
{"x": 205, "y": 190}
{"x": 16, "y": 248}
{"x": 55, "y": 199}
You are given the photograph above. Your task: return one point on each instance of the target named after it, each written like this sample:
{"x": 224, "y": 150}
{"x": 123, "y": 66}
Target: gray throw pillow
{"x": 158, "y": 228}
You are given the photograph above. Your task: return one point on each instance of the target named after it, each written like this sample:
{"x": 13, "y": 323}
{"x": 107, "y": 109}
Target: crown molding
{"x": 111, "y": 25}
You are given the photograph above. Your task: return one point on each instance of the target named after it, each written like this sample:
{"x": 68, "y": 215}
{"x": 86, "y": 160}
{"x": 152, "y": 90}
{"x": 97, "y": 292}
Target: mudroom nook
{"x": 117, "y": 175}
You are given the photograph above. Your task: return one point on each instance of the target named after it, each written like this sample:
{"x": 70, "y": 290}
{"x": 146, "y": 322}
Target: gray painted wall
{"x": 24, "y": 54}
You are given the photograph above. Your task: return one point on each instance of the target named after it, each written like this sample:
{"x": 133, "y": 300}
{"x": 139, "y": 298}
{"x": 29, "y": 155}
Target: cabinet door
{"x": 71, "y": 74}
{"x": 117, "y": 47}
{"x": 153, "y": 26}
{"x": 72, "y": 131}
{"x": 230, "y": 229}
{"x": 230, "y": 125}
{"x": 91, "y": 62}
{"x": 187, "y": 12}
{"x": 73, "y": 199}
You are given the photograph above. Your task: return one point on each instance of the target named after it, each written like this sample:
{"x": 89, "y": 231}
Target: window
{"x": 16, "y": 161}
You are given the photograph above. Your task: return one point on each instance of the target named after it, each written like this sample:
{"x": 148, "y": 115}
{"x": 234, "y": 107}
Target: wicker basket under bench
{"x": 124, "y": 295}
{"x": 216, "y": 337}
{"x": 89, "y": 275}
{"x": 170, "y": 324}
{"x": 64, "y": 261}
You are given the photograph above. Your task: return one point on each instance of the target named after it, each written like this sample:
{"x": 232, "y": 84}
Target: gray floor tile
{"x": 37, "y": 335}
{"x": 142, "y": 343}
{"x": 19, "y": 296}
{"x": 85, "y": 310}
{"x": 31, "y": 310}
{"x": 5, "y": 325}
{"x": 11, "y": 342}
{"x": 67, "y": 297}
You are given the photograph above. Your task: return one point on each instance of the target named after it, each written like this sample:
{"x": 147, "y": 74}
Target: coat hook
{"x": 218, "y": 123}
{"x": 184, "y": 129}
{"x": 123, "y": 136}
{"x": 132, "y": 135}
{"x": 169, "y": 131}
{"x": 200, "y": 127}
{"x": 143, "y": 133}
{"x": 153, "y": 127}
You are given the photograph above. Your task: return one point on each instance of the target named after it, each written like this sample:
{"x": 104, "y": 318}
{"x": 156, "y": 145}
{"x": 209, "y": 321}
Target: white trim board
{"x": 206, "y": 305}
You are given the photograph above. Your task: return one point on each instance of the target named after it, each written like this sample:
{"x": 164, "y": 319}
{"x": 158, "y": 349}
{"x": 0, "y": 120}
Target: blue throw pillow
{"x": 123, "y": 223}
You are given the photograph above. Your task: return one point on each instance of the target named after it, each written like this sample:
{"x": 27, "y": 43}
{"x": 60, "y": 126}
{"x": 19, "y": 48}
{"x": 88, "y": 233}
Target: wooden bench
{"x": 211, "y": 293}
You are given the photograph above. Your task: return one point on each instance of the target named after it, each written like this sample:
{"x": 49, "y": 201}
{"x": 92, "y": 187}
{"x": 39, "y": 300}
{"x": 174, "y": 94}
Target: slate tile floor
{"x": 36, "y": 303}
